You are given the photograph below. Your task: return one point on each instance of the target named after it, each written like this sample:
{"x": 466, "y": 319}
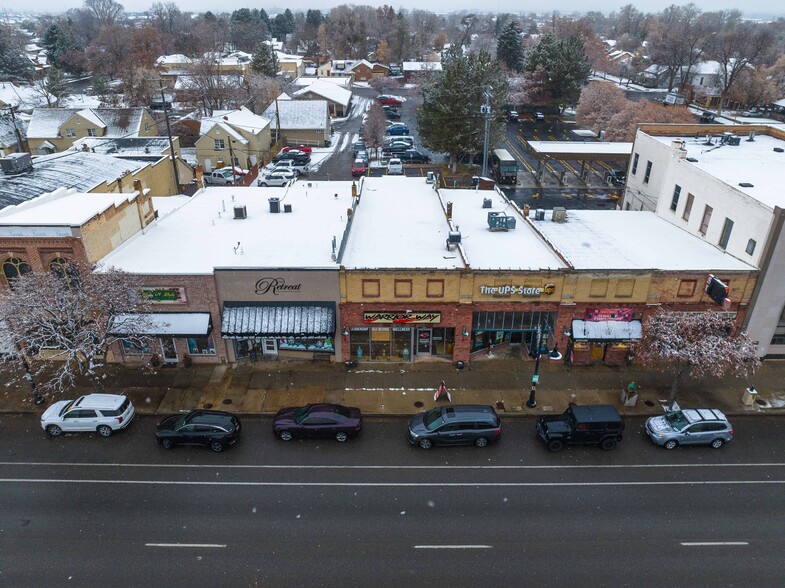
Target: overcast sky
{"x": 774, "y": 7}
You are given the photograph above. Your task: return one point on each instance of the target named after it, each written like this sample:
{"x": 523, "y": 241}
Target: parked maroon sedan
{"x": 318, "y": 421}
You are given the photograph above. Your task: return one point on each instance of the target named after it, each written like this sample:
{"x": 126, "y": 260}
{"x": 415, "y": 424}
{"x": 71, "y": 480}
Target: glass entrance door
{"x": 269, "y": 347}
{"x": 424, "y": 341}
{"x": 168, "y": 350}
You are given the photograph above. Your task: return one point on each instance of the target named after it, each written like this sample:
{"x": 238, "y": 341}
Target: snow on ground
{"x": 81, "y": 101}
{"x": 603, "y": 77}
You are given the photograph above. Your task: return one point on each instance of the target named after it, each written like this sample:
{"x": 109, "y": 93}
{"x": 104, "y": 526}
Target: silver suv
{"x": 277, "y": 177}
{"x": 691, "y": 426}
{"x": 104, "y": 413}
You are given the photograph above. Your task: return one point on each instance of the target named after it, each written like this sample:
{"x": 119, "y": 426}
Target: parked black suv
{"x": 597, "y": 424}
{"x": 414, "y": 156}
{"x": 299, "y": 157}
{"x": 214, "y": 428}
{"x": 459, "y": 424}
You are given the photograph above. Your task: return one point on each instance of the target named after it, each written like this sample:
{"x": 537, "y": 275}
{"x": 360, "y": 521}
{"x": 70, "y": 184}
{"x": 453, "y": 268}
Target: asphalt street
{"x": 89, "y": 511}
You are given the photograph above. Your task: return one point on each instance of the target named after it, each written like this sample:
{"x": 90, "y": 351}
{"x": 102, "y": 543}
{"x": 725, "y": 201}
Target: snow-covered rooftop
{"x": 203, "y": 234}
{"x": 208, "y": 127}
{"x": 328, "y": 91}
{"x": 118, "y": 122}
{"x": 21, "y": 97}
{"x": 630, "y": 240}
{"x": 62, "y": 207}
{"x": 302, "y": 81}
{"x": 71, "y": 169}
{"x": 753, "y": 162}
{"x": 124, "y": 145}
{"x": 421, "y": 66}
{"x": 562, "y": 147}
{"x": 242, "y": 119}
{"x": 299, "y": 114}
{"x": 399, "y": 223}
{"x": 520, "y": 248}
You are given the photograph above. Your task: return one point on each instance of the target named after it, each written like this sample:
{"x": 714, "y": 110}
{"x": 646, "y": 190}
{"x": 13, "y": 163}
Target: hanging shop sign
{"x": 275, "y": 286}
{"x": 165, "y": 295}
{"x": 511, "y": 290}
{"x": 375, "y": 318}
{"x": 608, "y": 314}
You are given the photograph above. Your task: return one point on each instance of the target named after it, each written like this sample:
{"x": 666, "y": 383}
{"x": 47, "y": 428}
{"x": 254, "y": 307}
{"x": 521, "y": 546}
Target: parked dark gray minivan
{"x": 455, "y": 424}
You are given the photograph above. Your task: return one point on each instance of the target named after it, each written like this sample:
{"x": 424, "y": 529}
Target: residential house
{"x": 726, "y": 189}
{"x": 412, "y": 69}
{"x": 300, "y": 122}
{"x": 364, "y": 70}
{"x": 53, "y": 130}
{"x": 238, "y": 134}
{"x": 337, "y": 97}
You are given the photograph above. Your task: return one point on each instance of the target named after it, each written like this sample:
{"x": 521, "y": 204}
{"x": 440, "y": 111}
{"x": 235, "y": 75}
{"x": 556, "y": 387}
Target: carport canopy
{"x": 581, "y": 151}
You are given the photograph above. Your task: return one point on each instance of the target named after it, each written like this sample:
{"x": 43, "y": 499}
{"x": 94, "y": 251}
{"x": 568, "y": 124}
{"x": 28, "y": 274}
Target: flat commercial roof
{"x": 203, "y": 234}
{"x": 631, "y": 240}
{"x": 520, "y": 248}
{"x": 753, "y": 162}
{"x": 399, "y": 223}
{"x": 582, "y": 150}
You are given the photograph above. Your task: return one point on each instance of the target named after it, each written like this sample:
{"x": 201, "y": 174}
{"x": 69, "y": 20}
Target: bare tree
{"x": 374, "y": 128}
{"x": 623, "y": 124}
{"x": 67, "y": 319}
{"x": 384, "y": 85}
{"x": 699, "y": 344}
{"x": 106, "y": 12}
{"x": 598, "y": 103}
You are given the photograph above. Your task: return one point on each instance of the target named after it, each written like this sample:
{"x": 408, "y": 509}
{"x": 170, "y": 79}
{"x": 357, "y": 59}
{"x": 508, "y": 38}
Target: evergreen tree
{"x": 564, "y": 64}
{"x": 264, "y": 61}
{"x": 13, "y": 65}
{"x": 509, "y": 49}
{"x": 449, "y": 119}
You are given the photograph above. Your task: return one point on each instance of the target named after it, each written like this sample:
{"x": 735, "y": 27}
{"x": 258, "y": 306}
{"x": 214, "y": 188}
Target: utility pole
{"x": 21, "y": 143}
{"x": 485, "y": 110}
{"x": 171, "y": 144}
{"x": 532, "y": 402}
{"x": 231, "y": 157}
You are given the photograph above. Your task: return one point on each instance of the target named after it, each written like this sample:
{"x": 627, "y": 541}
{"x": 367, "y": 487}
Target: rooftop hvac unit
{"x": 453, "y": 239}
{"x": 240, "y": 212}
{"x": 487, "y": 203}
{"x": 275, "y": 205}
{"x": 16, "y": 163}
{"x": 498, "y": 221}
{"x": 559, "y": 214}
{"x": 287, "y": 208}
{"x": 735, "y": 141}
{"x": 539, "y": 214}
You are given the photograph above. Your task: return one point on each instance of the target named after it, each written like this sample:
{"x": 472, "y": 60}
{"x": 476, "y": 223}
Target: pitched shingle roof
{"x": 118, "y": 122}
{"x": 299, "y": 114}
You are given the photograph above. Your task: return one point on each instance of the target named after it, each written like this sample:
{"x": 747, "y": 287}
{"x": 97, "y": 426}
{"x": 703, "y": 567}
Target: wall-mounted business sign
{"x": 512, "y": 290}
{"x": 608, "y": 314}
{"x": 165, "y": 295}
{"x": 376, "y": 318}
{"x": 275, "y": 286}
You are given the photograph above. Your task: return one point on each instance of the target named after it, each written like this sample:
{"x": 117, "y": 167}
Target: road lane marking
{"x": 390, "y": 467}
{"x": 453, "y": 547}
{"x": 184, "y": 545}
{"x": 390, "y": 484}
{"x": 713, "y": 543}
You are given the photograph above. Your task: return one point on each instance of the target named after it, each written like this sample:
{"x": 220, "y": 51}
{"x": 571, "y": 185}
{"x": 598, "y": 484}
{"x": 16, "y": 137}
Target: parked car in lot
{"x": 512, "y": 116}
{"x": 707, "y": 116}
{"x": 359, "y": 168}
{"x": 359, "y": 146}
{"x": 391, "y": 114}
{"x": 455, "y": 424}
{"x": 293, "y": 154}
{"x": 296, "y": 166}
{"x": 398, "y": 139}
{"x": 220, "y": 177}
{"x": 303, "y": 148}
{"x": 394, "y": 166}
{"x": 396, "y": 148}
{"x": 103, "y": 413}
{"x": 215, "y": 429}
{"x": 277, "y": 177}
{"x": 397, "y": 129}
{"x": 598, "y": 424}
{"x": 616, "y": 177}
{"x": 690, "y": 426}
{"x": 414, "y": 156}
{"x": 539, "y": 116}
{"x": 322, "y": 421}
{"x": 364, "y": 156}
{"x": 388, "y": 100}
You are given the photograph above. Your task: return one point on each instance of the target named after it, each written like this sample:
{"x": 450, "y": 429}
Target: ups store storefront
{"x": 267, "y": 314}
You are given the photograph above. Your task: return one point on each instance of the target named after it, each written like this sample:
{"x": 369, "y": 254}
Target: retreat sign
{"x": 377, "y": 318}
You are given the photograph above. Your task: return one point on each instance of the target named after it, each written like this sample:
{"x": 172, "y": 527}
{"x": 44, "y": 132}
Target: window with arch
{"x": 65, "y": 270}
{"x": 13, "y": 268}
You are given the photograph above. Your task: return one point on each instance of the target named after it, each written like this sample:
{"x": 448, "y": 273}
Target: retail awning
{"x": 170, "y": 324}
{"x": 278, "y": 319}
{"x": 606, "y": 330}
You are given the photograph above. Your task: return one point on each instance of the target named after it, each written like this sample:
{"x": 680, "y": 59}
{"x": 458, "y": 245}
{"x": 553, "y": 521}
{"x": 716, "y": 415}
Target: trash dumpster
{"x": 749, "y": 396}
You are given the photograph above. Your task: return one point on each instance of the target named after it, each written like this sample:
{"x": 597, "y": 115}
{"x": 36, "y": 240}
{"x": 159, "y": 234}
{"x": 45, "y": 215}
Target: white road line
{"x": 453, "y": 547}
{"x": 392, "y": 467}
{"x": 183, "y": 545}
{"x": 714, "y": 543}
{"x": 390, "y": 484}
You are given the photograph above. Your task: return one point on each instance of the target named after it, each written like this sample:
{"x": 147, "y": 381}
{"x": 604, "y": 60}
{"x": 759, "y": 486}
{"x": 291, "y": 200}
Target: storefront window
{"x": 381, "y": 344}
{"x": 201, "y": 345}
{"x": 443, "y": 341}
{"x": 324, "y": 344}
{"x": 360, "y": 344}
{"x": 402, "y": 342}
{"x": 494, "y": 328}
{"x": 136, "y": 348}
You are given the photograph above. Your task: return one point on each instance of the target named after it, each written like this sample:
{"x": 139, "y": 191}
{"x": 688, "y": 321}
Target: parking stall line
{"x": 199, "y": 545}
{"x": 453, "y": 546}
{"x": 715, "y": 543}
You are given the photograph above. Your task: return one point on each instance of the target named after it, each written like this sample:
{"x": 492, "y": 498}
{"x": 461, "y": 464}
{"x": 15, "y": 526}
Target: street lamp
{"x": 532, "y": 402}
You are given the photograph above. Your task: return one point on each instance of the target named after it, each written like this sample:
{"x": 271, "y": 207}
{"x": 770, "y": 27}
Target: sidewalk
{"x": 398, "y": 389}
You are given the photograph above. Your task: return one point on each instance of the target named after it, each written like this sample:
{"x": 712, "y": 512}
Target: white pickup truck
{"x": 219, "y": 177}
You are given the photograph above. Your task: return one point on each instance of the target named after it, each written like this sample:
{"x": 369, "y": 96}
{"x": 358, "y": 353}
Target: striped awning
{"x": 606, "y": 330}
{"x": 277, "y": 319}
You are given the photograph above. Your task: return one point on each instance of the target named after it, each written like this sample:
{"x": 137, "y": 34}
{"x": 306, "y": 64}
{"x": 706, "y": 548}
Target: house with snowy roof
{"x": 53, "y": 130}
{"x": 338, "y": 98}
{"x": 238, "y": 134}
{"x": 21, "y": 98}
{"x": 414, "y": 68}
{"x": 299, "y": 122}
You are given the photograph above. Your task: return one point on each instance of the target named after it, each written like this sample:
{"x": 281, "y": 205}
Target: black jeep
{"x": 597, "y": 424}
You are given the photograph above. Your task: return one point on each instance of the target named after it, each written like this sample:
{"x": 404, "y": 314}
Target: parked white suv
{"x": 104, "y": 413}
{"x": 277, "y": 177}
{"x": 292, "y": 165}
